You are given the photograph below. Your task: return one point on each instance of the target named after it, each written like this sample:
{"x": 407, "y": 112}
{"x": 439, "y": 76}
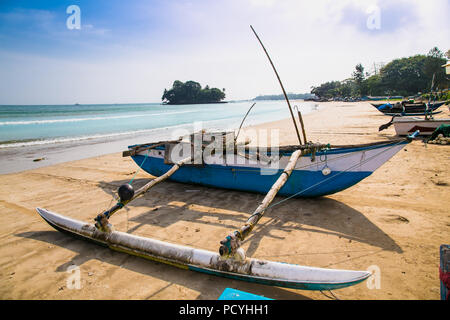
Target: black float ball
{"x": 223, "y": 250}
{"x": 126, "y": 192}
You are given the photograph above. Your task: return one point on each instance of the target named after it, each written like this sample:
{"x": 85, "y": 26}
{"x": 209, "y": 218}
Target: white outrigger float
{"x": 310, "y": 170}
{"x": 252, "y": 270}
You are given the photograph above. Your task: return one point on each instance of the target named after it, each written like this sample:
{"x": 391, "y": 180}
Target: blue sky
{"x": 129, "y": 51}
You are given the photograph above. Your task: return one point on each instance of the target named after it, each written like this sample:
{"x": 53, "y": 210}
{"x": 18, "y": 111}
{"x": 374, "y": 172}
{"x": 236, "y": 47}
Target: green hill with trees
{"x": 191, "y": 92}
{"x": 400, "y": 77}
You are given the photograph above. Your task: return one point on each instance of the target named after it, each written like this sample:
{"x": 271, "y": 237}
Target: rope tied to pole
{"x": 140, "y": 167}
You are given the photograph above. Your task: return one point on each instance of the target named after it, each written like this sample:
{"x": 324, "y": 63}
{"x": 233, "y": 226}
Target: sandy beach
{"x": 395, "y": 220}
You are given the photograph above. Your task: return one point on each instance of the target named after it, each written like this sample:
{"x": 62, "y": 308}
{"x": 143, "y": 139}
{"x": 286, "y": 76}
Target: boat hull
{"x": 347, "y": 166}
{"x": 406, "y": 126}
{"x": 250, "y": 270}
{"x": 410, "y": 114}
{"x": 408, "y": 109}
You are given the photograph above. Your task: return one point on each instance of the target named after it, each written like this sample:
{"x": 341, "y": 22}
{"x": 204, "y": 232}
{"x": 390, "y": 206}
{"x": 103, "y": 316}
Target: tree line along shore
{"x": 412, "y": 76}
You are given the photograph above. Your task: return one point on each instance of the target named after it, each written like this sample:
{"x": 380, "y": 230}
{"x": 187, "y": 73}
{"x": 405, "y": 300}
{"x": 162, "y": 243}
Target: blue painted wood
{"x": 302, "y": 183}
{"x": 251, "y": 180}
{"x": 339, "y": 150}
{"x": 233, "y": 294}
{"x": 279, "y": 283}
{"x": 444, "y": 263}
{"x": 412, "y": 113}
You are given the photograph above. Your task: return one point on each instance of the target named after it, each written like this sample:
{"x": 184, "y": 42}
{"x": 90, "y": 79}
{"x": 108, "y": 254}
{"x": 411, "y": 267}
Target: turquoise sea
{"x": 41, "y": 129}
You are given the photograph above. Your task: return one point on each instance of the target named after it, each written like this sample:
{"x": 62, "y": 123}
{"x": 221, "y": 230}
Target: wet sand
{"x": 393, "y": 220}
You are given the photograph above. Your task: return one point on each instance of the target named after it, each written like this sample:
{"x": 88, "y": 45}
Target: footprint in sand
{"x": 395, "y": 218}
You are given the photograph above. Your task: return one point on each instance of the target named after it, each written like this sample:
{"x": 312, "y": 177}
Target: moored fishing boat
{"x": 407, "y": 125}
{"x": 408, "y": 109}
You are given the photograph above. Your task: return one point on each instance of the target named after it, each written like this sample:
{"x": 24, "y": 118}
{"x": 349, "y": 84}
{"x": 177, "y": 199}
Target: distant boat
{"x": 402, "y": 103}
{"x": 318, "y": 99}
{"x": 406, "y": 125}
{"x": 382, "y": 98}
{"x": 376, "y": 98}
{"x": 407, "y": 109}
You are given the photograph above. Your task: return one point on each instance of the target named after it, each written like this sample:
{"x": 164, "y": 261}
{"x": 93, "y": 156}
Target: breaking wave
{"x": 47, "y": 121}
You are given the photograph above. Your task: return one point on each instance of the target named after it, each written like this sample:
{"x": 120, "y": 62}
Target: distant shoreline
{"x": 175, "y": 104}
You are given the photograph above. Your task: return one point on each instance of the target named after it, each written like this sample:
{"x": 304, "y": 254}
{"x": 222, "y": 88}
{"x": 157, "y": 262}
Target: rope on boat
{"x": 102, "y": 218}
{"x": 120, "y": 204}
{"x": 340, "y": 157}
{"x": 140, "y": 167}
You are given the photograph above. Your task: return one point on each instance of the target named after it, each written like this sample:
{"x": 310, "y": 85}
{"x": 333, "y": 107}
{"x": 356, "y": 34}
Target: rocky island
{"x": 191, "y": 92}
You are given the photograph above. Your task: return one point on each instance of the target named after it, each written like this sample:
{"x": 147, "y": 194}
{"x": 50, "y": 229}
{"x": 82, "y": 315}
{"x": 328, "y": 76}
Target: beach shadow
{"x": 209, "y": 286}
{"x": 193, "y": 203}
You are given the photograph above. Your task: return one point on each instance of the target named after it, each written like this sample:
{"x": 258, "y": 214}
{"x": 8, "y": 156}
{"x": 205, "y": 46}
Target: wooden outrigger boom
{"x": 102, "y": 219}
{"x": 232, "y": 242}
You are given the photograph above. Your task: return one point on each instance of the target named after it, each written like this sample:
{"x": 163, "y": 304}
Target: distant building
{"x": 447, "y": 67}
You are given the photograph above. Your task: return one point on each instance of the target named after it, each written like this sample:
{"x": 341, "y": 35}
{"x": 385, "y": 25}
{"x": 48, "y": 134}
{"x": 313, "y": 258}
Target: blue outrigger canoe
{"x": 316, "y": 170}
{"x": 305, "y": 170}
{"x": 326, "y": 171}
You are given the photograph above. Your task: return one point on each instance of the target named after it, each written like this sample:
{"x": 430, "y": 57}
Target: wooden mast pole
{"x": 282, "y": 88}
{"x": 300, "y": 118}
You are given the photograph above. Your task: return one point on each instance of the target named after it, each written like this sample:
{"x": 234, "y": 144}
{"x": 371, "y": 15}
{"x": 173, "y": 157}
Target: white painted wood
{"x": 367, "y": 160}
{"x": 183, "y": 255}
{"x": 406, "y": 125}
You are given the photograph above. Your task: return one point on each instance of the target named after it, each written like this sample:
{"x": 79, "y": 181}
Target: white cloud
{"x": 90, "y": 29}
{"x": 267, "y": 3}
{"x": 308, "y": 41}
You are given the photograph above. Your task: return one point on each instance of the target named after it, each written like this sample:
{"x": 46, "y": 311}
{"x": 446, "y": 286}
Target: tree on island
{"x": 191, "y": 92}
